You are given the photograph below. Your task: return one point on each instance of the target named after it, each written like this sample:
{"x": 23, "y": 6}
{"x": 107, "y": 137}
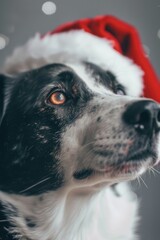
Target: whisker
{"x": 139, "y": 182}
{"x": 88, "y": 144}
{"x": 1, "y": 221}
{"x": 34, "y": 185}
{"x": 151, "y": 170}
{"x": 155, "y": 170}
{"x": 143, "y": 182}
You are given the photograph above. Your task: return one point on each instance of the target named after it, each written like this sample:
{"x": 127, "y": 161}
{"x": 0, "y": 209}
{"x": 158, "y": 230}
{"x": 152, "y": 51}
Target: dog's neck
{"x": 74, "y": 215}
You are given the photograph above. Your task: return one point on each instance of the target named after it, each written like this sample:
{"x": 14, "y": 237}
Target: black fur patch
{"x": 82, "y": 174}
{"x": 31, "y": 128}
{"x": 114, "y": 188}
{"x": 30, "y": 222}
{"x": 105, "y": 78}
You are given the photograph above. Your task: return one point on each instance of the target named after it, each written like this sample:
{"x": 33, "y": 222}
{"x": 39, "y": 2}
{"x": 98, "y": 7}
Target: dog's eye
{"x": 120, "y": 91}
{"x": 57, "y": 98}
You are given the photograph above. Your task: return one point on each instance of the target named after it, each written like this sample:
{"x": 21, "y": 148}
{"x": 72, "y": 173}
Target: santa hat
{"x": 120, "y": 36}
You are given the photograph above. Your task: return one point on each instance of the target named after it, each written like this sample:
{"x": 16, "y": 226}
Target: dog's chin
{"x": 126, "y": 170}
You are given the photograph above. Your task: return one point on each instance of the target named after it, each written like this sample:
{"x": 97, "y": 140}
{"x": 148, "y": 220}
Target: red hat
{"x": 123, "y": 36}
{"x": 126, "y": 41}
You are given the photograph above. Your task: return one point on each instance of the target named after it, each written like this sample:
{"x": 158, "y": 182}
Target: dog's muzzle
{"x": 128, "y": 146}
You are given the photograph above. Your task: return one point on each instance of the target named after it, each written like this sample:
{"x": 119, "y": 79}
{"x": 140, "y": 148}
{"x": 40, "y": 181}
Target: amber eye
{"x": 57, "y": 98}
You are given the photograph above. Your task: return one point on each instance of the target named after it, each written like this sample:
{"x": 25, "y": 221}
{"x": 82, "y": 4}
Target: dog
{"x": 72, "y": 133}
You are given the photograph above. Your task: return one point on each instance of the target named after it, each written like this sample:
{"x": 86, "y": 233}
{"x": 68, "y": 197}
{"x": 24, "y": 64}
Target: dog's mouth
{"x": 131, "y": 167}
{"x": 143, "y": 155}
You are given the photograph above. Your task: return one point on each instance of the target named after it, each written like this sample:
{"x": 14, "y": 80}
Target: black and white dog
{"x": 71, "y": 133}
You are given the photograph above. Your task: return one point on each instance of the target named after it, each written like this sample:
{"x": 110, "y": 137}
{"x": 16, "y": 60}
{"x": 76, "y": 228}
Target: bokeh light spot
{"x": 49, "y": 8}
{"x": 4, "y": 40}
{"x": 158, "y": 33}
{"x": 147, "y": 50}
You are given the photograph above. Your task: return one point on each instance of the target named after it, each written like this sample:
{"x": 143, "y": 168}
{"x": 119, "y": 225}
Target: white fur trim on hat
{"x": 72, "y": 46}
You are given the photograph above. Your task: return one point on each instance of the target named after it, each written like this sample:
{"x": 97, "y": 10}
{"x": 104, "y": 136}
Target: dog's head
{"x": 73, "y": 125}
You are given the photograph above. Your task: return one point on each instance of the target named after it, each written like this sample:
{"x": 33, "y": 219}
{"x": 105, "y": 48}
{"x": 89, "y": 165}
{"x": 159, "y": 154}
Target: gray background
{"x": 20, "y": 19}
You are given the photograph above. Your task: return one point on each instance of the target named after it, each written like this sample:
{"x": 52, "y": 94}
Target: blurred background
{"x": 21, "y": 19}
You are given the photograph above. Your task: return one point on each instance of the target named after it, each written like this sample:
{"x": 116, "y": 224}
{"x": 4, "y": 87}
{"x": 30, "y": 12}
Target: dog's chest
{"x": 103, "y": 216}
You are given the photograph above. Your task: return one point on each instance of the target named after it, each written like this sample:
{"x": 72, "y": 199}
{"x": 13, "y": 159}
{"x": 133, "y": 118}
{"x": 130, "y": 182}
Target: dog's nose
{"x": 143, "y": 115}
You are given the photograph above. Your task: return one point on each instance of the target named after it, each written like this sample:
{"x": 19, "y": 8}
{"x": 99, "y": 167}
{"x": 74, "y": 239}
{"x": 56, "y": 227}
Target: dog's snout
{"x": 143, "y": 115}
